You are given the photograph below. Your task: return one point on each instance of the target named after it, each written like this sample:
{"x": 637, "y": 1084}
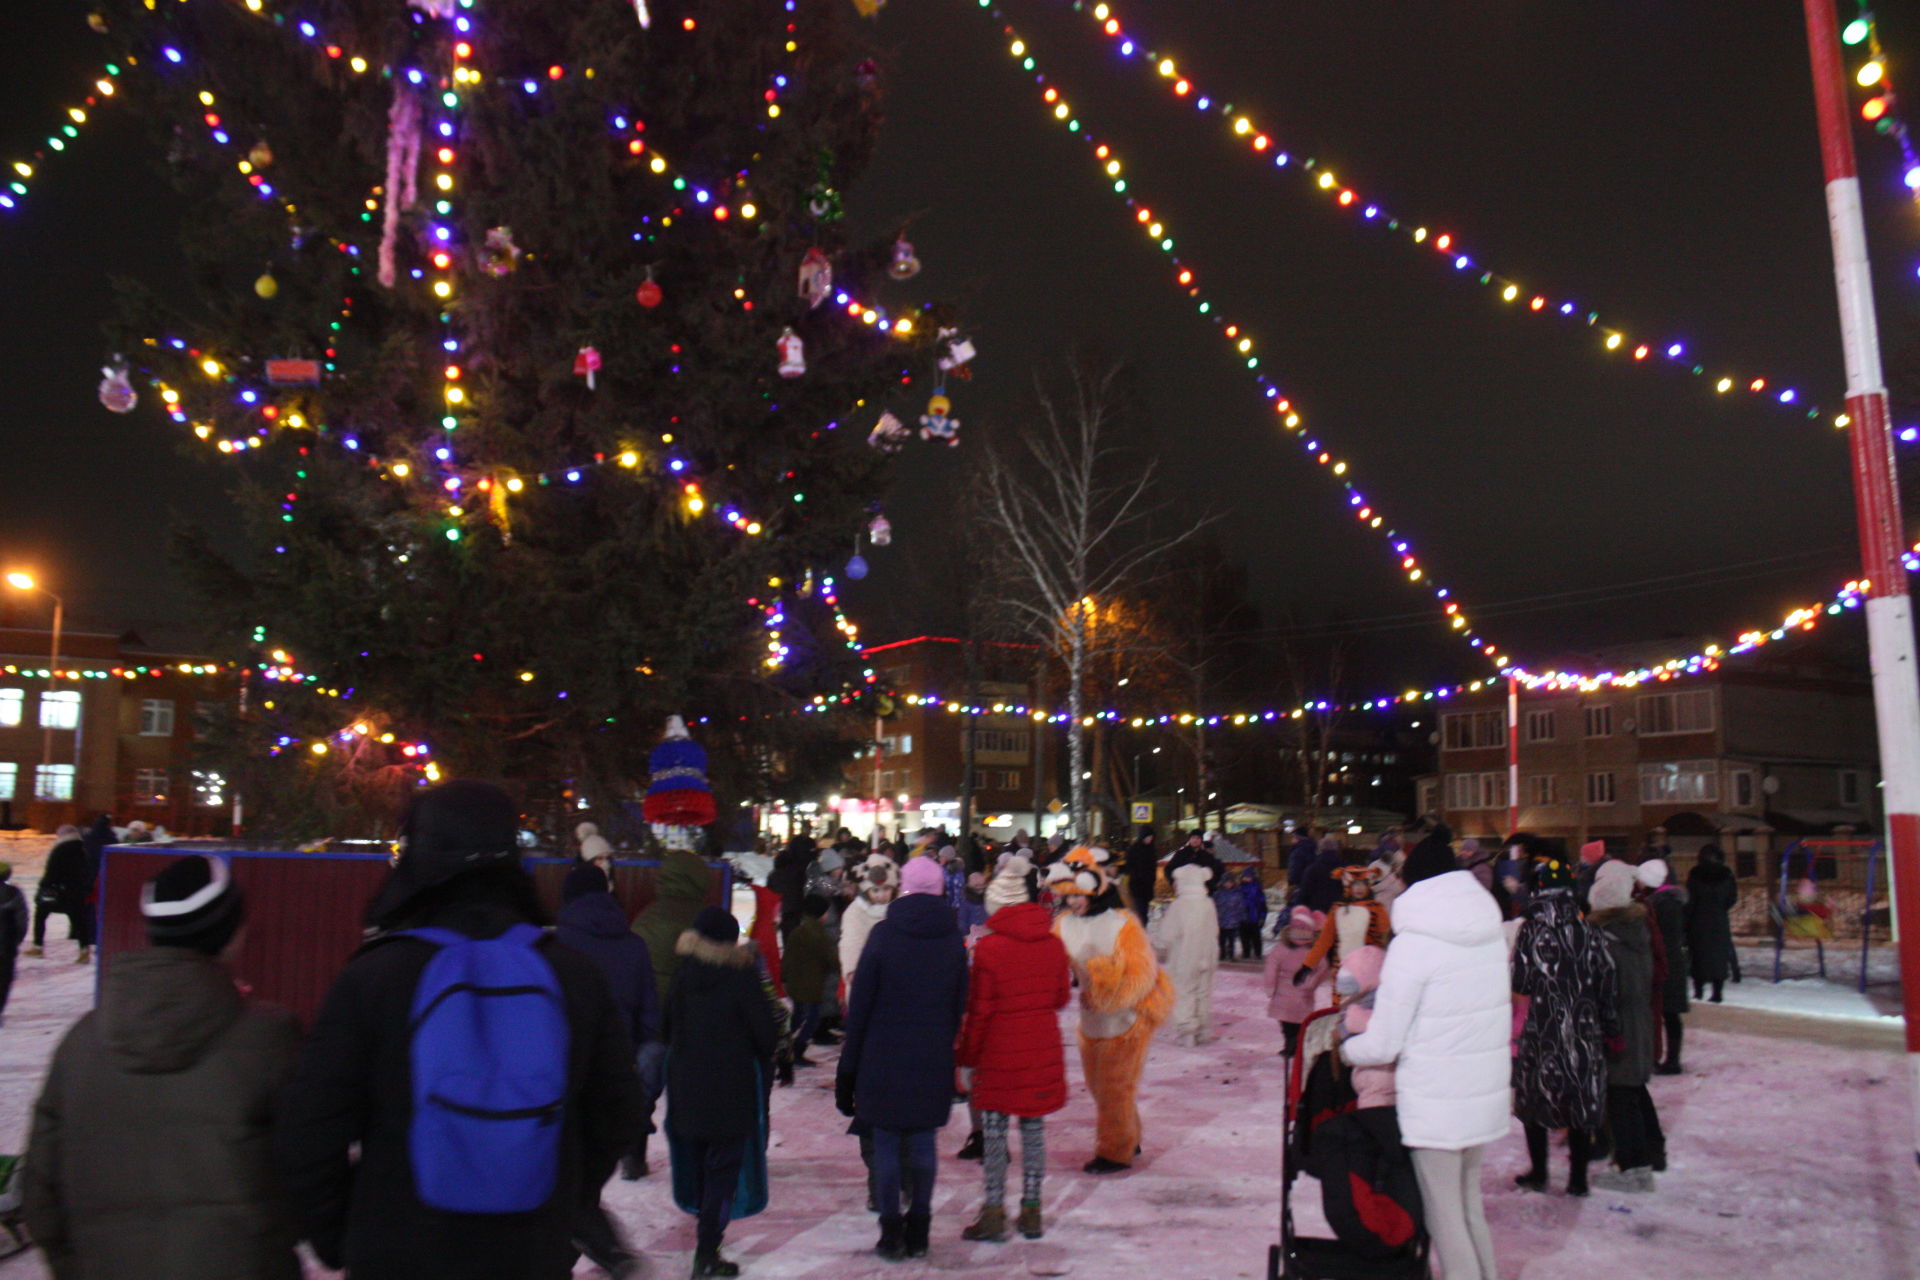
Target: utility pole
{"x": 1513, "y": 754}
{"x": 1876, "y": 494}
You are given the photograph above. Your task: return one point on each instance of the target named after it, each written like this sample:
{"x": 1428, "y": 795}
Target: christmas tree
{"x": 547, "y": 366}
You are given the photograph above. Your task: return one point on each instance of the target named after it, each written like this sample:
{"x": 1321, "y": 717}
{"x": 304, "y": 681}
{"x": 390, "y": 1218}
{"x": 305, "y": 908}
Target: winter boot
{"x": 1030, "y": 1225}
{"x": 1659, "y": 1162}
{"x": 918, "y": 1227}
{"x": 991, "y": 1225}
{"x": 1100, "y": 1164}
{"x": 1531, "y": 1180}
{"x": 892, "y": 1244}
{"x": 712, "y": 1264}
{"x": 34, "y": 952}
{"x": 975, "y": 1147}
{"x": 1635, "y": 1181}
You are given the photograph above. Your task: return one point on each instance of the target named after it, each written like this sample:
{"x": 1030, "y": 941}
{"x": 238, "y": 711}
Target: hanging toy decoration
{"x": 816, "y": 278}
{"x": 956, "y": 352}
{"x": 434, "y": 8}
{"x": 857, "y": 567}
{"x": 501, "y": 255}
{"x": 806, "y": 586}
{"x": 260, "y": 156}
{"x": 793, "y": 354}
{"x": 888, "y": 434}
{"x": 266, "y": 286}
{"x": 402, "y": 187}
{"x": 587, "y": 363}
{"x": 649, "y": 294}
{"x": 880, "y": 530}
{"x": 116, "y": 390}
{"x": 678, "y": 793}
{"x": 938, "y": 422}
{"x": 904, "y": 265}
{"x": 293, "y": 372}
{"x": 98, "y": 21}
{"x": 823, "y": 202}
{"x": 640, "y": 12}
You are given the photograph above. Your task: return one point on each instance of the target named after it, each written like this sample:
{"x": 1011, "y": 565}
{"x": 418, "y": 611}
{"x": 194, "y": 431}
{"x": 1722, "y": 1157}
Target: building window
{"x": 1742, "y": 788}
{"x": 1429, "y": 795}
{"x": 1540, "y": 726}
{"x": 156, "y": 717}
{"x": 9, "y": 780}
{"x": 900, "y": 745}
{"x": 1467, "y": 730}
{"x": 996, "y": 780}
{"x": 1662, "y": 714}
{"x": 1543, "y": 789}
{"x": 1600, "y": 722}
{"x": 53, "y": 782}
{"x": 1477, "y": 790}
{"x": 1679, "y": 782}
{"x": 1600, "y": 789}
{"x": 1850, "y": 787}
{"x": 149, "y": 786}
{"x": 209, "y": 788}
{"x": 12, "y": 703}
{"x": 1008, "y": 741}
{"x": 60, "y": 709}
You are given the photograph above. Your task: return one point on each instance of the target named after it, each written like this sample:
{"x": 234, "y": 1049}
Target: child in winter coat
{"x": 1231, "y": 908}
{"x": 1289, "y": 1003}
{"x": 1358, "y": 979}
{"x": 1252, "y": 929}
{"x": 1356, "y": 921}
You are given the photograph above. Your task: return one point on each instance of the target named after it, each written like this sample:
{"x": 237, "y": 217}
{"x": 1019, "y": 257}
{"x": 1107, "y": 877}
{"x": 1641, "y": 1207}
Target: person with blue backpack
{"x": 480, "y": 1069}
{"x": 721, "y": 1040}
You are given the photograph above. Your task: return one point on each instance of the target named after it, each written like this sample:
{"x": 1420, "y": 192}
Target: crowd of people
{"x": 475, "y": 1078}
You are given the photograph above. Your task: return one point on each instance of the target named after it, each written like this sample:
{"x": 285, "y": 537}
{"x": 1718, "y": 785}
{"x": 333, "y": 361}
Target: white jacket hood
{"x": 1190, "y": 881}
{"x": 1452, "y": 907}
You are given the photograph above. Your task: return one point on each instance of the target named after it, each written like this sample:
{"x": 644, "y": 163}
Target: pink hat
{"x": 923, "y": 875}
{"x": 1593, "y": 851}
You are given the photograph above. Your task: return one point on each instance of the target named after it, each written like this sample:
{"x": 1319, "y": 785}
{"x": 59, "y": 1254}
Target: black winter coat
{"x": 1632, "y": 947}
{"x": 1320, "y": 888}
{"x": 1299, "y": 859}
{"x": 909, "y": 997}
{"x": 1711, "y": 893}
{"x": 353, "y": 1085}
{"x": 594, "y": 925}
{"x": 1669, "y": 907}
{"x": 721, "y": 1039}
{"x": 68, "y": 878}
{"x": 1563, "y": 965}
{"x": 1186, "y": 854}
{"x": 1143, "y": 869}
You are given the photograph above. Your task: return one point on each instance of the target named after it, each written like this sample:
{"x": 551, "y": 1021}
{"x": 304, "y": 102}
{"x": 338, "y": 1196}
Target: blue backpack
{"x": 489, "y": 1056}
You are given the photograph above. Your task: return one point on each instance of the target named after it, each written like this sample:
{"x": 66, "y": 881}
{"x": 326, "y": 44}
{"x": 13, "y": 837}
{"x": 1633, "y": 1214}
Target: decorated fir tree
{"x": 545, "y": 365}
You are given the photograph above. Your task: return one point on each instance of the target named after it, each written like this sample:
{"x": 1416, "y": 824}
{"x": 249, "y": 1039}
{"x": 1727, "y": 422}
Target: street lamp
{"x": 25, "y": 582}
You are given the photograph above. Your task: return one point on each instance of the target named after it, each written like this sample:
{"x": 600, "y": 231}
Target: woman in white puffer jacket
{"x": 1444, "y": 1014}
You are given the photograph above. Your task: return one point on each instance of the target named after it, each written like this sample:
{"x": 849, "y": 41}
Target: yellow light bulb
{"x": 515, "y": 485}
{"x": 402, "y": 470}
{"x": 1243, "y": 125}
{"x": 1017, "y": 48}
{"x": 444, "y": 182}
{"x": 748, "y": 210}
{"x": 657, "y": 165}
{"x": 1060, "y": 112}
{"x": 1871, "y": 73}
{"x": 1725, "y": 384}
{"x": 359, "y": 66}
{"x": 206, "y": 99}
{"x": 1326, "y": 181}
{"x": 212, "y": 368}
{"x": 455, "y": 395}
{"x": 1613, "y": 341}
{"x": 1166, "y": 66}
{"x": 1510, "y": 292}
{"x": 442, "y": 289}
{"x": 319, "y": 748}
{"x": 629, "y": 459}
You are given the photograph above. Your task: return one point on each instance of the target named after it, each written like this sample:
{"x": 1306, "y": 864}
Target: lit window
{"x": 149, "y": 787}
{"x": 9, "y": 780}
{"x": 60, "y": 710}
{"x": 12, "y": 704}
{"x": 53, "y": 781}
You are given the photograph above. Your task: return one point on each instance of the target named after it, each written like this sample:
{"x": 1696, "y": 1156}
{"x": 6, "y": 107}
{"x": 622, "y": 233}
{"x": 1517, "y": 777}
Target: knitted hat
{"x": 1612, "y": 887}
{"x": 1010, "y": 883}
{"x": 1304, "y": 920}
{"x": 584, "y": 878}
{"x": 1653, "y": 872}
{"x": 717, "y": 925}
{"x": 923, "y": 875}
{"x": 1593, "y": 851}
{"x": 192, "y": 903}
{"x": 592, "y": 843}
{"x": 1429, "y": 858}
{"x": 1551, "y": 873}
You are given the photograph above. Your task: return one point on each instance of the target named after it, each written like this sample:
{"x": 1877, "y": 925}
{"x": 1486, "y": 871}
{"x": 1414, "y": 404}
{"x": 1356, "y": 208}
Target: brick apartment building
{"x": 113, "y": 734}
{"x": 1752, "y": 755}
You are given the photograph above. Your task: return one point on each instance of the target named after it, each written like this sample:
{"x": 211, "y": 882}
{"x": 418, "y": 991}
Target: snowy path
{"x": 1789, "y": 1159}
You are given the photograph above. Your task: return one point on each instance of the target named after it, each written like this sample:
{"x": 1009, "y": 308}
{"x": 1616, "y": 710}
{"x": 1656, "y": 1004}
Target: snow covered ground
{"x": 1788, "y": 1137}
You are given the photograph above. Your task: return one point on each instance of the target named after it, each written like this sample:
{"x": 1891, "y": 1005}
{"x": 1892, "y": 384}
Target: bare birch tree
{"x": 1074, "y": 525}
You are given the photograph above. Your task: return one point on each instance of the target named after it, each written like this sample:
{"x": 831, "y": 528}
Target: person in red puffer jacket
{"x": 1011, "y": 1038}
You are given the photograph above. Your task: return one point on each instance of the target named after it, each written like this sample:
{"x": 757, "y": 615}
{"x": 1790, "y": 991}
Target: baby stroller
{"x": 1368, "y": 1190}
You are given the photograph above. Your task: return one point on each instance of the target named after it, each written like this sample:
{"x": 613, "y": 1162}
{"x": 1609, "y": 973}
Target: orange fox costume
{"x": 1124, "y": 997}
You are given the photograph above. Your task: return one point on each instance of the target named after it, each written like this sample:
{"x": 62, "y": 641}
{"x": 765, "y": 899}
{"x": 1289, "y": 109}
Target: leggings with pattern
{"x": 1033, "y": 1156}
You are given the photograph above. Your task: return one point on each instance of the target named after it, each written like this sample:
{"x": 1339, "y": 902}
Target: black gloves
{"x": 1301, "y": 975}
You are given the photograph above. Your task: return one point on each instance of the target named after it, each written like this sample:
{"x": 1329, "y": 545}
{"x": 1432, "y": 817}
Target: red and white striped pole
{"x": 1896, "y": 689}
{"x": 1513, "y": 755}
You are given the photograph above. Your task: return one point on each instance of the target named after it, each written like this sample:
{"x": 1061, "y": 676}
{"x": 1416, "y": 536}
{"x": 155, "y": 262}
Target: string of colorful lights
{"x": 1880, "y": 108}
{"x": 21, "y": 172}
{"x": 1262, "y": 143}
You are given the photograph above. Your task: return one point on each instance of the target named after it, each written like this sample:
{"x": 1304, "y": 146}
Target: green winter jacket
{"x": 150, "y": 1153}
{"x": 808, "y": 962}
{"x": 681, "y": 887}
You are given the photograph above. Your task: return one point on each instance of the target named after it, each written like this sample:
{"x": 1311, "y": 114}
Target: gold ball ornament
{"x": 266, "y": 286}
{"x": 260, "y": 156}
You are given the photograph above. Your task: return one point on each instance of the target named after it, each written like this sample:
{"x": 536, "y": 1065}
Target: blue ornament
{"x": 857, "y": 567}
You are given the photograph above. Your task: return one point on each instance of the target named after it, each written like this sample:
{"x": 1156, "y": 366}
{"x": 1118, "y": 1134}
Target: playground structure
{"x": 1830, "y": 891}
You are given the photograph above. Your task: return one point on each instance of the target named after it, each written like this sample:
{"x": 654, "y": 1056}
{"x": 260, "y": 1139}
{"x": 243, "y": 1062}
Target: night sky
{"x": 1654, "y": 160}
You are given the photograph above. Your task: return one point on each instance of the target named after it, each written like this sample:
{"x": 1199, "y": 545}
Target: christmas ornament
{"x": 587, "y": 363}
{"x": 793, "y": 354}
{"x": 293, "y": 373}
{"x": 501, "y": 254}
{"x": 869, "y": 8}
{"x": 98, "y": 21}
{"x": 938, "y": 422}
{"x": 823, "y": 202}
{"x": 816, "y": 278}
{"x": 435, "y": 8}
{"x": 403, "y": 169}
{"x": 888, "y": 434}
{"x": 649, "y": 294}
{"x": 261, "y": 156}
{"x": 867, "y": 76}
{"x": 266, "y": 286}
{"x": 116, "y": 391}
{"x": 956, "y": 351}
{"x": 678, "y": 793}
{"x": 904, "y": 265}
{"x": 880, "y": 530}
{"x": 640, "y": 12}
{"x": 857, "y": 567}
{"x": 806, "y": 586}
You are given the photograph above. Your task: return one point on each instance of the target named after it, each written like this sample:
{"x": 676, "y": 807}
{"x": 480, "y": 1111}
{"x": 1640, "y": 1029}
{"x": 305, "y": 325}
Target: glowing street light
{"x": 20, "y": 581}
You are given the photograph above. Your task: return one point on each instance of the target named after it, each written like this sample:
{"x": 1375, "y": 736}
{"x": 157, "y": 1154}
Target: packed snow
{"x": 1789, "y": 1158}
